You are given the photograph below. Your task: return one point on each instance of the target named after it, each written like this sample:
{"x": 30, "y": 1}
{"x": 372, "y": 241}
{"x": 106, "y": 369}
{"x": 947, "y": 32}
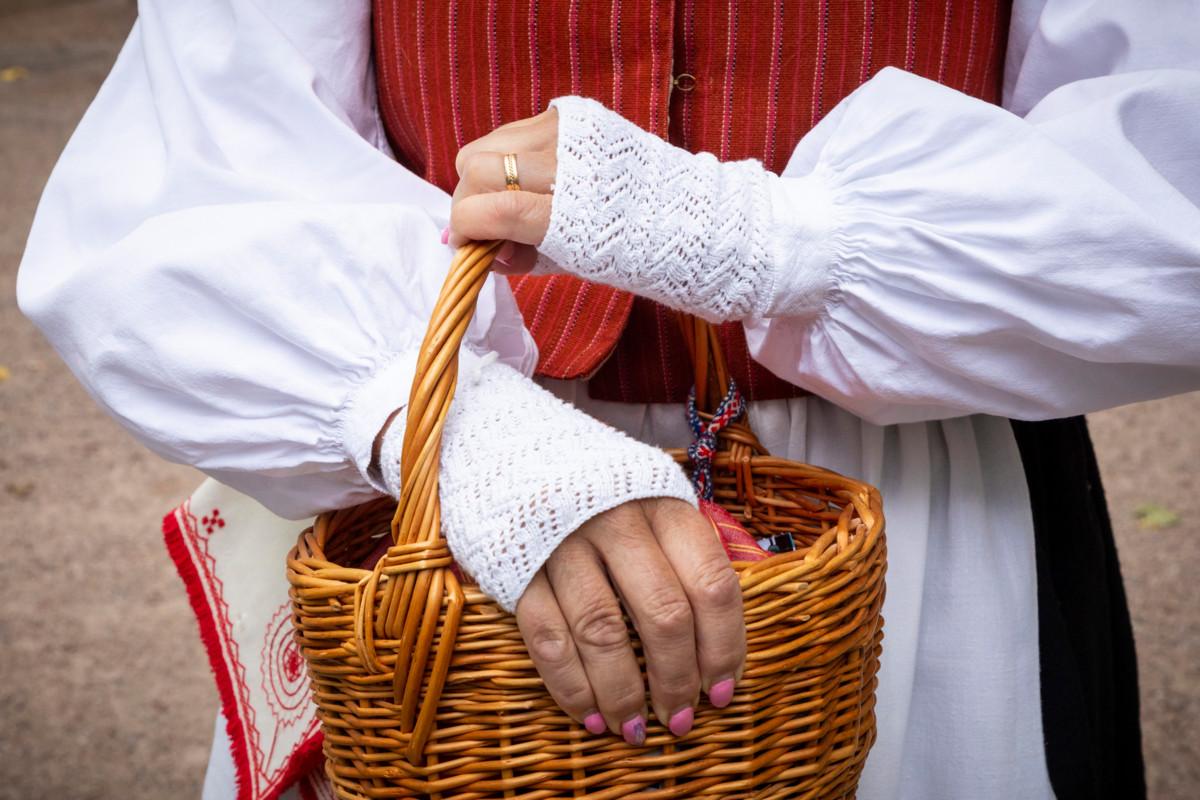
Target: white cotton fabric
{"x": 220, "y": 777}
{"x": 521, "y": 470}
{"x": 232, "y": 265}
{"x": 1039, "y": 283}
{"x": 832, "y": 261}
{"x": 231, "y": 262}
{"x": 959, "y": 678}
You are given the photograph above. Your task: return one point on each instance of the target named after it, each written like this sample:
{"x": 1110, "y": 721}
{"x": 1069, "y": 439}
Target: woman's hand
{"x": 716, "y": 239}
{"x": 658, "y": 559}
{"x": 661, "y": 561}
{"x": 484, "y": 210}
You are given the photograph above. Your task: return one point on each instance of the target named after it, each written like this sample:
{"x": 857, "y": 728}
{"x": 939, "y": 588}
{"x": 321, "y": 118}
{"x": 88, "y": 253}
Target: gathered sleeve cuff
{"x": 939, "y": 256}
{"x": 232, "y": 264}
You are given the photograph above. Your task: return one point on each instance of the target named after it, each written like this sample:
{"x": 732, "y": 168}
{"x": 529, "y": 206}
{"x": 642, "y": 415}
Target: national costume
{"x": 917, "y": 224}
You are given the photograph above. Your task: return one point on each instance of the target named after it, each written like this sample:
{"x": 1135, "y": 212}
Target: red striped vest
{"x": 760, "y": 73}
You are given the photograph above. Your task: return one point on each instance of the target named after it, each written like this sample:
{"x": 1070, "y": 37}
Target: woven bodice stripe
{"x": 766, "y": 71}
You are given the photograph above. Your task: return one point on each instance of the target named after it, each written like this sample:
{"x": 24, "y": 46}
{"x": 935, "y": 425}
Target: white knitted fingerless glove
{"x": 521, "y": 470}
{"x": 722, "y": 240}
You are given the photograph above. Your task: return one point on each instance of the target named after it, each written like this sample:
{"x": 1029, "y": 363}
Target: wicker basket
{"x": 424, "y": 687}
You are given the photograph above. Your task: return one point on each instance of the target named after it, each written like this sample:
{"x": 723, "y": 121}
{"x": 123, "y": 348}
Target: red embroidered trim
{"x": 306, "y": 762}
{"x": 308, "y": 755}
{"x": 315, "y": 786}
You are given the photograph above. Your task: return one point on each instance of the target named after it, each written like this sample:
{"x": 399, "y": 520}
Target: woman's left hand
{"x": 483, "y": 209}
{"x": 633, "y": 211}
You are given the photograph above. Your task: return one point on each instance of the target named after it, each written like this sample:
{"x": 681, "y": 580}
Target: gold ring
{"x": 510, "y": 173}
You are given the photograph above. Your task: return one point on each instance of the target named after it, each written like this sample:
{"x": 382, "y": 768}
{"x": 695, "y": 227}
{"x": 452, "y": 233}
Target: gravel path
{"x": 104, "y": 692}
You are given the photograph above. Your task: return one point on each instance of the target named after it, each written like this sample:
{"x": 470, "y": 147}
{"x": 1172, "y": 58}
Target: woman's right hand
{"x": 659, "y": 559}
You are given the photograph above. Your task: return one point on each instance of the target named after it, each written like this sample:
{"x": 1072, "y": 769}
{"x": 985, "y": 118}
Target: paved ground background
{"x": 104, "y": 691}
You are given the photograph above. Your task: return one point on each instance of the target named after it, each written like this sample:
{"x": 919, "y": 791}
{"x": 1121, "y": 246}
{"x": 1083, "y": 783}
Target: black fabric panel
{"x": 1089, "y": 669}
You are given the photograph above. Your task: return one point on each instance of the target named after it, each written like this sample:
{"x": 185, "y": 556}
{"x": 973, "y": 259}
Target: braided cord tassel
{"x": 704, "y": 446}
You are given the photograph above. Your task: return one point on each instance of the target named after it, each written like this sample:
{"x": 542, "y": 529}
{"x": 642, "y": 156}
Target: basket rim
{"x": 857, "y": 494}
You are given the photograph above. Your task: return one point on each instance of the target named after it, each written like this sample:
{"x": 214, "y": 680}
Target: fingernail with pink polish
{"x": 504, "y": 253}
{"x": 594, "y": 723}
{"x": 445, "y": 236}
{"x": 634, "y": 731}
{"x": 720, "y": 694}
{"x": 681, "y": 721}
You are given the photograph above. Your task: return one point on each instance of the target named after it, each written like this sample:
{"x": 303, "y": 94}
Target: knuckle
{"x": 669, "y": 613}
{"x": 550, "y": 645}
{"x": 461, "y": 218}
{"x": 716, "y": 584}
{"x": 474, "y": 169}
{"x": 576, "y": 697}
{"x": 669, "y": 688}
{"x": 620, "y": 529}
{"x": 668, "y": 510}
{"x": 465, "y": 153}
{"x": 624, "y": 700}
{"x": 507, "y": 206}
{"x": 574, "y": 554}
{"x": 529, "y": 205}
{"x": 601, "y": 627}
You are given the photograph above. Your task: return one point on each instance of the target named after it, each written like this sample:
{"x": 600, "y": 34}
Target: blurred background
{"x": 104, "y": 687}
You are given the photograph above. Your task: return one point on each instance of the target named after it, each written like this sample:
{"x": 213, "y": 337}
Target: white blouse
{"x": 230, "y": 261}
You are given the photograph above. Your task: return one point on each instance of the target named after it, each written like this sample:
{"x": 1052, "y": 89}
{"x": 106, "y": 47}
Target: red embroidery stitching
{"x": 213, "y": 521}
{"x": 284, "y": 680}
{"x": 189, "y": 550}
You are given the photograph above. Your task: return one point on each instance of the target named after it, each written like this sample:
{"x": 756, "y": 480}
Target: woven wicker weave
{"x": 424, "y": 687}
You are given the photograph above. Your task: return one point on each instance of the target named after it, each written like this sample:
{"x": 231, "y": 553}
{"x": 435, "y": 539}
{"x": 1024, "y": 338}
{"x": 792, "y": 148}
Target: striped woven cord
{"x": 704, "y": 447}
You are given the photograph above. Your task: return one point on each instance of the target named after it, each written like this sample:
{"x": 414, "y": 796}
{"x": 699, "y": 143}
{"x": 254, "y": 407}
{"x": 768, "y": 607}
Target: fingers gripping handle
{"x": 412, "y": 586}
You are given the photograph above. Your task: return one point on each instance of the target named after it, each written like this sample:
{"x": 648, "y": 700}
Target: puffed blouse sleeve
{"x": 1034, "y": 261}
{"x": 229, "y": 260}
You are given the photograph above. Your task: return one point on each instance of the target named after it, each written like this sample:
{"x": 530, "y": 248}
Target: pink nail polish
{"x": 504, "y": 253}
{"x": 681, "y": 721}
{"x": 634, "y": 731}
{"x": 595, "y": 724}
{"x": 445, "y": 236}
{"x": 720, "y": 694}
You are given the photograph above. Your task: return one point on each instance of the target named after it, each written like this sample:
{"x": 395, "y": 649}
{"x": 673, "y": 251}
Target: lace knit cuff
{"x": 521, "y": 470}
{"x": 708, "y": 237}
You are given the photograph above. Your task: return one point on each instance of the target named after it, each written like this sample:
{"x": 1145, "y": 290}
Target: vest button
{"x": 684, "y": 82}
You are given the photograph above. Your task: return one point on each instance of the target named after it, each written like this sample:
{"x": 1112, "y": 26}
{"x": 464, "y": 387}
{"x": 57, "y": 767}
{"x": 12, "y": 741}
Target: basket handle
{"x": 708, "y": 360}
{"x": 419, "y": 595}
{"x": 420, "y": 600}
{"x": 712, "y": 382}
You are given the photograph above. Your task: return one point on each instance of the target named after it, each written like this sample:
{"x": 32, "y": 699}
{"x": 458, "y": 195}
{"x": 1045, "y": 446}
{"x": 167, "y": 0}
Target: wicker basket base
{"x": 800, "y": 725}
